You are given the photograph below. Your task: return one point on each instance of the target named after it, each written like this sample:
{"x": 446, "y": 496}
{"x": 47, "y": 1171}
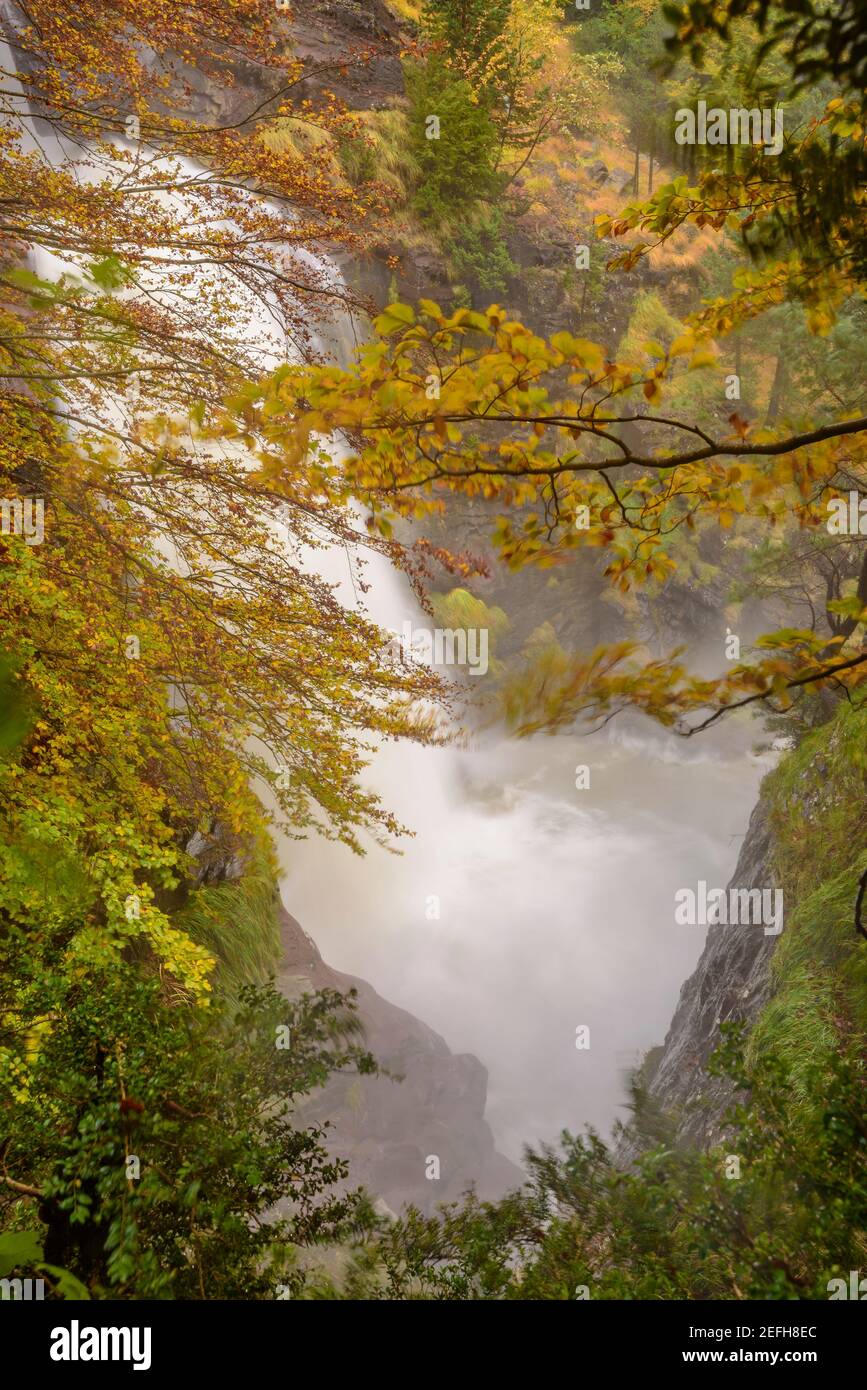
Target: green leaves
{"x": 16, "y": 717}
{"x": 22, "y": 1250}
{"x": 205, "y": 1101}
{"x": 65, "y": 1284}
{"x": 394, "y": 317}
{"x": 40, "y": 292}
{"x": 673, "y": 1225}
{"x": 110, "y": 273}
{"x": 19, "y": 1250}
{"x": 24, "y": 279}
{"x": 457, "y": 167}
{"x": 850, "y": 607}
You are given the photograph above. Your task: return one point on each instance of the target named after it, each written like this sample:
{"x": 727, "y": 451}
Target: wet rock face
{"x": 324, "y": 33}
{"x": 349, "y": 48}
{"x": 731, "y": 983}
{"x": 391, "y": 1130}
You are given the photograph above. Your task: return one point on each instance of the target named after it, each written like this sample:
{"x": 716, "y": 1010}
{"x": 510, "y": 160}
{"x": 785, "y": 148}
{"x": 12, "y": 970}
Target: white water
{"x": 556, "y": 905}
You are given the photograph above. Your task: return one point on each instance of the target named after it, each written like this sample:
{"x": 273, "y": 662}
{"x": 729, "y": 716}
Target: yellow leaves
{"x": 629, "y": 259}
{"x": 844, "y": 119}
{"x": 579, "y": 351}
{"x": 36, "y": 1036}
{"x": 393, "y": 318}
{"x": 495, "y": 433}
{"x": 702, "y": 358}
{"x": 682, "y": 345}
{"x": 820, "y": 320}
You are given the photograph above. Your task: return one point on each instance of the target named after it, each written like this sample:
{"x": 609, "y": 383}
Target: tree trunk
{"x": 635, "y": 187}
{"x": 78, "y": 1246}
{"x": 778, "y": 386}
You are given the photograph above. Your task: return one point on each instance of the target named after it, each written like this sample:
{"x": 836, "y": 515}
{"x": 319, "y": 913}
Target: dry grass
{"x": 289, "y": 136}
{"x": 687, "y": 248}
{"x": 405, "y": 9}
{"x": 395, "y": 166}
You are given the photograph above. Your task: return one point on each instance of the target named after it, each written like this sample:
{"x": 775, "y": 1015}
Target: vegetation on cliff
{"x": 777, "y": 1208}
{"x": 172, "y": 664}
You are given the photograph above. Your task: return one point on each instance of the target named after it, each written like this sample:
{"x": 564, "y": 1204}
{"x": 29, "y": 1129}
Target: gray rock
{"x": 620, "y": 182}
{"x": 387, "y": 1129}
{"x": 220, "y": 856}
{"x": 730, "y": 983}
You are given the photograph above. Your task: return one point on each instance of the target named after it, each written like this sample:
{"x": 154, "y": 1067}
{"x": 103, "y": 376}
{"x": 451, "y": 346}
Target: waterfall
{"x": 524, "y": 907}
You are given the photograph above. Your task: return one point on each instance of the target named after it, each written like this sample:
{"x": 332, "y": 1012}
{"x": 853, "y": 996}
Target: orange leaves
{"x": 470, "y": 404}
{"x": 740, "y": 426}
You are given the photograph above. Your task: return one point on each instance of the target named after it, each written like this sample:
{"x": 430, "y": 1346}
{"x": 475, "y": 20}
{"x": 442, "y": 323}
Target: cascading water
{"x": 524, "y": 907}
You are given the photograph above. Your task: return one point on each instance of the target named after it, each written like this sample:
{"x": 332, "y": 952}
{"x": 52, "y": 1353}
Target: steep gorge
{"x": 801, "y": 990}
{"x": 387, "y": 1129}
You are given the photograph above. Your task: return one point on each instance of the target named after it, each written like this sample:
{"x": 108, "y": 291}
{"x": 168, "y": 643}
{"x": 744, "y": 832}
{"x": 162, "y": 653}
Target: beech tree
{"x": 575, "y": 446}
{"x": 167, "y": 646}
{"x": 169, "y": 636}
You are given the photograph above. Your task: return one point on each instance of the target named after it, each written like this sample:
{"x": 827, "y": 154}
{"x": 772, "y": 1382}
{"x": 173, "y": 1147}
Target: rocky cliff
{"x": 430, "y": 1104}
{"x": 389, "y": 1129}
{"x": 731, "y": 983}
{"x": 801, "y": 993}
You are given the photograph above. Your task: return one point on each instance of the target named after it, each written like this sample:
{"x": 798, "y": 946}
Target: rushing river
{"x": 555, "y": 904}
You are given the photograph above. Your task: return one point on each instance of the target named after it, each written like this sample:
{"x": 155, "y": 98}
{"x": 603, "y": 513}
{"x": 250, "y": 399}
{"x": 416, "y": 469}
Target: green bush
{"x": 457, "y": 168}
{"x": 358, "y": 160}
{"x": 480, "y": 253}
{"x": 679, "y": 1225}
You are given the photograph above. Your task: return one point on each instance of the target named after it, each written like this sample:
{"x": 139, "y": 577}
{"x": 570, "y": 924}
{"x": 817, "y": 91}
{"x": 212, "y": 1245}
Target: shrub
{"x": 457, "y": 168}
{"x": 479, "y": 252}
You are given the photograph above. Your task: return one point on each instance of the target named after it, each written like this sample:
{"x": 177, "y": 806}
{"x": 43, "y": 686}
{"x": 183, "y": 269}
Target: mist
{"x": 525, "y": 907}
